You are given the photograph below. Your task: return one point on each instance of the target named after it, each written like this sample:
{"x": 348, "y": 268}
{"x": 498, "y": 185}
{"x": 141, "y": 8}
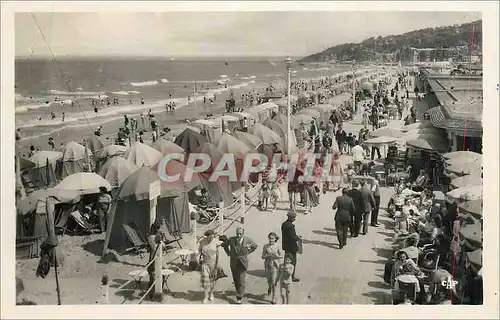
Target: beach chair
{"x": 28, "y": 247}
{"x": 82, "y": 221}
{"x": 135, "y": 237}
{"x": 62, "y": 222}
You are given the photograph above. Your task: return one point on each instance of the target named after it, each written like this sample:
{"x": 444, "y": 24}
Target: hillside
{"x": 446, "y": 41}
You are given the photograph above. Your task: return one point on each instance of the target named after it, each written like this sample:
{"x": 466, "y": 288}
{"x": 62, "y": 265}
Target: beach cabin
{"x": 259, "y": 113}
{"x": 208, "y": 127}
{"x": 228, "y": 122}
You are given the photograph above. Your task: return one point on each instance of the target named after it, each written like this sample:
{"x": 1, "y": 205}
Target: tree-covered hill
{"x": 445, "y": 41}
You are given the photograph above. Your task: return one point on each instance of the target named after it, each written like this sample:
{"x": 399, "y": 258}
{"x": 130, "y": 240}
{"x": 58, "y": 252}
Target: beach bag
{"x": 219, "y": 272}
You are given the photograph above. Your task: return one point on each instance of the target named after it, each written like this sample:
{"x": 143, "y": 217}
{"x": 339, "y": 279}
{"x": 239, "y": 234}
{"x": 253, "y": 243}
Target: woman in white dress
{"x": 209, "y": 256}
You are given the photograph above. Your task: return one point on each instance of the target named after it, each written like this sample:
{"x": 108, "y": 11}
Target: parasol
{"x": 301, "y": 118}
{"x": 380, "y": 141}
{"x": 141, "y": 154}
{"x": 417, "y": 125}
{"x": 472, "y": 234}
{"x": 469, "y": 155}
{"x": 116, "y": 170}
{"x": 190, "y": 140}
{"x": 28, "y": 204}
{"x": 312, "y": 112}
{"x": 230, "y": 144}
{"x": 94, "y": 143}
{"x": 267, "y": 135}
{"x": 466, "y": 180}
{"x": 428, "y": 144}
{"x": 41, "y": 158}
{"x": 461, "y": 169}
{"x": 249, "y": 139}
{"x": 468, "y": 193}
{"x": 83, "y": 183}
{"x": 474, "y": 207}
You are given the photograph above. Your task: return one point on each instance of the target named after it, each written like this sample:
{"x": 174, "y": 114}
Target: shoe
{"x": 211, "y": 297}
{"x": 239, "y": 300}
{"x": 375, "y": 225}
{"x": 205, "y": 301}
{"x": 268, "y": 290}
{"x": 340, "y": 246}
{"x": 364, "y": 233}
{"x": 295, "y": 279}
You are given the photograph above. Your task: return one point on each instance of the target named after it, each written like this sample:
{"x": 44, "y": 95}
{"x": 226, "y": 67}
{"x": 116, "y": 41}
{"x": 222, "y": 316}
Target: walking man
{"x": 368, "y": 204}
{"x": 290, "y": 240}
{"x": 345, "y": 209}
{"x": 376, "y": 196}
{"x": 238, "y": 248}
{"x": 358, "y": 155}
{"x": 357, "y": 216}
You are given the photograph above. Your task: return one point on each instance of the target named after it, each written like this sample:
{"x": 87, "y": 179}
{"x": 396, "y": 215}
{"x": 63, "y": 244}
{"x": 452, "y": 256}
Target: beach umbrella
{"x": 270, "y": 106}
{"x": 186, "y": 179}
{"x": 301, "y": 118}
{"x": 469, "y": 193}
{"x": 387, "y": 132}
{"x": 475, "y": 258}
{"x": 249, "y": 139}
{"x": 221, "y": 187}
{"x": 25, "y": 164}
{"x": 424, "y": 136}
{"x": 463, "y": 160}
{"x": 466, "y": 180}
{"x": 474, "y": 207}
{"x": 428, "y": 144}
{"x": 312, "y": 112}
{"x": 190, "y": 140}
{"x": 203, "y": 123}
{"x": 472, "y": 234}
{"x": 83, "y": 183}
{"x": 141, "y": 154}
{"x": 166, "y": 147}
{"x": 230, "y": 144}
{"x": 469, "y": 155}
{"x": 41, "y": 158}
{"x": 380, "y": 140}
{"x": 213, "y": 152}
{"x": 111, "y": 151}
{"x": 73, "y": 151}
{"x": 461, "y": 169}
{"x": 136, "y": 186}
{"x": 267, "y": 135}
{"x": 28, "y": 204}
{"x": 417, "y": 125}
{"x": 116, "y": 170}
{"x": 94, "y": 143}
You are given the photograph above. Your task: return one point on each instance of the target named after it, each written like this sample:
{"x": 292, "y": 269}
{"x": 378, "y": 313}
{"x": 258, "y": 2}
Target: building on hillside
{"x": 456, "y": 105}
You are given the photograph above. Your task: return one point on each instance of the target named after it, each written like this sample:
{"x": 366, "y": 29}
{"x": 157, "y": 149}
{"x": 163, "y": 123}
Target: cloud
{"x": 214, "y": 33}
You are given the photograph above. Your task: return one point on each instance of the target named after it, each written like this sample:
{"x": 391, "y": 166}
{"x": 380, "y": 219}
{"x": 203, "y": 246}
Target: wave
{"x": 125, "y": 93}
{"x": 248, "y": 78}
{"x": 79, "y": 93}
{"x": 144, "y": 83}
{"x": 164, "y": 80}
{"x": 113, "y": 113}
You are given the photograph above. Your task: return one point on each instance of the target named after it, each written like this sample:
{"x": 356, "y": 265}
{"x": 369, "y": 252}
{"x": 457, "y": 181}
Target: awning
{"x": 436, "y": 115}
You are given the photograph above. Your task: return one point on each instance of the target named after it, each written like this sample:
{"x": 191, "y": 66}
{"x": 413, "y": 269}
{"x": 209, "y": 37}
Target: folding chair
{"x": 82, "y": 222}
{"x": 136, "y": 238}
{"x": 404, "y": 287}
{"x": 62, "y": 223}
{"x": 430, "y": 262}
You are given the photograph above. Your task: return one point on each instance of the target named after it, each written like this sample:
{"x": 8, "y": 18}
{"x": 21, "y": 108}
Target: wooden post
{"x": 195, "y": 239}
{"x": 152, "y": 210}
{"x": 154, "y": 192}
{"x": 243, "y": 207}
{"x": 158, "y": 295}
{"x": 221, "y": 216}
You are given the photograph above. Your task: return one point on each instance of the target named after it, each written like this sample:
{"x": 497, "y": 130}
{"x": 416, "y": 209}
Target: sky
{"x": 213, "y": 33}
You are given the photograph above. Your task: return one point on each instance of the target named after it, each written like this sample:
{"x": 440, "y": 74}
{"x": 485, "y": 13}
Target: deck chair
{"x": 28, "y": 247}
{"x": 62, "y": 223}
{"x": 172, "y": 237}
{"x": 135, "y": 237}
{"x": 82, "y": 221}
{"x": 28, "y": 182}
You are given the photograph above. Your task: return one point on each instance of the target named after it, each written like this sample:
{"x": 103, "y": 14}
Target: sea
{"x": 46, "y": 86}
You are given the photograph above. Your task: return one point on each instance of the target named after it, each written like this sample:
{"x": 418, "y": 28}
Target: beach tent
{"x": 281, "y": 130}
{"x": 428, "y": 144}
{"x": 43, "y": 174}
{"x": 94, "y": 143}
{"x": 387, "y": 132}
{"x": 270, "y": 107}
{"x": 227, "y": 122}
{"x": 74, "y": 159}
{"x": 267, "y": 135}
{"x": 464, "y": 168}
{"x": 243, "y": 115}
{"x": 141, "y": 154}
{"x": 111, "y": 151}
{"x": 417, "y": 125}
{"x": 190, "y": 140}
{"x": 131, "y": 208}
{"x": 259, "y": 113}
{"x": 116, "y": 170}
{"x": 219, "y": 190}
{"x": 469, "y": 193}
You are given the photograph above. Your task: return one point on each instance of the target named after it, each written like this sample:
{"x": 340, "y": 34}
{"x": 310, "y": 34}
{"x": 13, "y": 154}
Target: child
{"x": 285, "y": 278}
{"x": 350, "y": 173}
{"x": 275, "y": 194}
{"x": 264, "y": 195}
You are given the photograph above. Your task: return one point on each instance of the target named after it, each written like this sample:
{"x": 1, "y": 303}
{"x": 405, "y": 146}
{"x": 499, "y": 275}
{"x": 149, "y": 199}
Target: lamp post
{"x": 354, "y": 86}
{"x": 288, "y": 63}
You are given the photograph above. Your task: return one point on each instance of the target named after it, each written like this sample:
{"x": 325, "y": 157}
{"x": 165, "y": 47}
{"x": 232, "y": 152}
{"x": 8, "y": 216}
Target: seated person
{"x": 408, "y": 192}
{"x": 421, "y": 181}
{"x": 432, "y": 229}
{"x": 403, "y": 265}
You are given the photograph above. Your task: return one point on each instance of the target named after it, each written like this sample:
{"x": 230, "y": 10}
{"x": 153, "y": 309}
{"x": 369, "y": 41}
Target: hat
{"x": 291, "y": 214}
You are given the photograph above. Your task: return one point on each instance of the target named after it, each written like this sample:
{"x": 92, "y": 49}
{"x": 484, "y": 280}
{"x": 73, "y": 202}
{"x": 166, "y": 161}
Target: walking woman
{"x": 209, "y": 259}
{"x": 272, "y": 253}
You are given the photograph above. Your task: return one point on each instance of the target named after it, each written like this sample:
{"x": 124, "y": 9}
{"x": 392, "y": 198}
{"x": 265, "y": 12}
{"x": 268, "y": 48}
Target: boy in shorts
{"x": 285, "y": 278}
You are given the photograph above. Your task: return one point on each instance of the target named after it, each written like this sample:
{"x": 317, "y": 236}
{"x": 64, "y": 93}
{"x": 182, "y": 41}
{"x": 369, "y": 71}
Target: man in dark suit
{"x": 368, "y": 204}
{"x": 238, "y": 248}
{"x": 345, "y": 209}
{"x": 290, "y": 240}
{"x": 359, "y": 208}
